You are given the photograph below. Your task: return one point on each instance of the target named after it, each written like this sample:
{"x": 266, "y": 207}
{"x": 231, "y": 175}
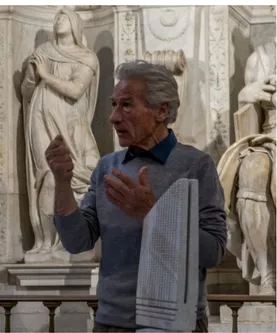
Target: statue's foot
{"x": 36, "y": 249}
{"x": 268, "y": 290}
{"x": 46, "y": 248}
{"x": 58, "y": 247}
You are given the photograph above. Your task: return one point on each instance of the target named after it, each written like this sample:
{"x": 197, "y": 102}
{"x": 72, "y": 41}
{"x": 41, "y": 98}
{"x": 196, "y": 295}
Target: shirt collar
{"x": 159, "y": 152}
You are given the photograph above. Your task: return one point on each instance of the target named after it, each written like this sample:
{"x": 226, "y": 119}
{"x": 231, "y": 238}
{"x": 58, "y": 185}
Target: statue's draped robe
{"x": 50, "y": 113}
{"x": 237, "y": 200}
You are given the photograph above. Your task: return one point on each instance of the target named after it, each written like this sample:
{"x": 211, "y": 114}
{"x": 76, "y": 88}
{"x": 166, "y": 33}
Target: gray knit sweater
{"x": 121, "y": 235}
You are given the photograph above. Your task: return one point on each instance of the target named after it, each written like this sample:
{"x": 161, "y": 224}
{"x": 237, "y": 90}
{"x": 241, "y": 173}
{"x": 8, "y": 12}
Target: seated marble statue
{"x": 247, "y": 172}
{"x": 59, "y": 95}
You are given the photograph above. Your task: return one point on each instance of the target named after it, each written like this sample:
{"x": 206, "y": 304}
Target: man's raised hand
{"x": 134, "y": 199}
{"x": 59, "y": 160}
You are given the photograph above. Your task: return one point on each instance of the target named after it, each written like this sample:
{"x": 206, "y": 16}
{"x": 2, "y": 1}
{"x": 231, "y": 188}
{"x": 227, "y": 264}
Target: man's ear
{"x": 162, "y": 112}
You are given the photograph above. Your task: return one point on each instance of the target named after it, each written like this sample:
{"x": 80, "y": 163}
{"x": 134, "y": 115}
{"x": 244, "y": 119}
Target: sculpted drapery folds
{"x": 59, "y": 95}
{"x": 247, "y": 172}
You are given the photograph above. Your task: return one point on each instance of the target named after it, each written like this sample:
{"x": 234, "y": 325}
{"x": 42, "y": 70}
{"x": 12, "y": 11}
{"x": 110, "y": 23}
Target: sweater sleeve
{"x": 79, "y": 231}
{"x": 212, "y": 216}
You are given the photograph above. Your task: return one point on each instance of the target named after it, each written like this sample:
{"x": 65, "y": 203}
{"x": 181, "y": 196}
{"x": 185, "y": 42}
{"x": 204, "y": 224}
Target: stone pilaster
{"x": 10, "y": 208}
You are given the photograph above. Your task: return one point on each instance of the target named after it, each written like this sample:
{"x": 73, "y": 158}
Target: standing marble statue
{"x": 247, "y": 172}
{"x": 59, "y": 95}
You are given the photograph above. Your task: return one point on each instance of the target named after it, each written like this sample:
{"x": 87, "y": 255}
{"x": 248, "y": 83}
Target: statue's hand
{"x": 42, "y": 65}
{"x": 257, "y": 92}
{"x": 271, "y": 79}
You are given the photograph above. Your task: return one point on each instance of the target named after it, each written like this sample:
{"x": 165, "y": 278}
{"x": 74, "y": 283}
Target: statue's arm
{"x": 251, "y": 69}
{"x": 29, "y": 83}
{"x": 76, "y": 86}
{"x": 256, "y": 89}
{"x": 247, "y": 94}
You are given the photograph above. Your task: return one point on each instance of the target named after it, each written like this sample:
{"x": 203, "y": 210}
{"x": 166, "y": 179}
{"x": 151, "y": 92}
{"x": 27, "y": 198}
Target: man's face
{"x": 133, "y": 121}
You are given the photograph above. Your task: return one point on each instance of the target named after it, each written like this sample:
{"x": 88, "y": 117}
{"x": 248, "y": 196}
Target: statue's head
{"x": 66, "y": 22}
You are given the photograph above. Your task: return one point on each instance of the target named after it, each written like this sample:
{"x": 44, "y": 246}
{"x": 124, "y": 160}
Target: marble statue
{"x": 59, "y": 97}
{"x": 247, "y": 172}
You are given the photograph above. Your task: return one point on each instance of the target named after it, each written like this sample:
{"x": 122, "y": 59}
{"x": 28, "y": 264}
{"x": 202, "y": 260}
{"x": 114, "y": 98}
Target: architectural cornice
{"x": 253, "y": 14}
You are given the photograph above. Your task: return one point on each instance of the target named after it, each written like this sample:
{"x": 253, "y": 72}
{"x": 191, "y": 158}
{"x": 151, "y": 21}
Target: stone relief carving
{"x": 129, "y": 35}
{"x": 176, "y": 63}
{"x": 59, "y": 97}
{"x": 172, "y": 23}
{"x": 126, "y": 42}
{"x": 3, "y": 201}
{"x": 2, "y": 97}
{"x": 218, "y": 78}
{"x": 3, "y": 229}
{"x": 247, "y": 171}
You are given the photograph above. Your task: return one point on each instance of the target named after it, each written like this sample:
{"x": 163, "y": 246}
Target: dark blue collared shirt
{"x": 160, "y": 152}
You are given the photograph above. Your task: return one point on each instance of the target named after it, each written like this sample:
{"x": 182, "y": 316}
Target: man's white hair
{"x": 160, "y": 84}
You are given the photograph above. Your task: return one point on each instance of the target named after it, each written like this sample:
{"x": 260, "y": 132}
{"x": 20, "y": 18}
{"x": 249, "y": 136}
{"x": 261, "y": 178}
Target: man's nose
{"x": 116, "y": 116}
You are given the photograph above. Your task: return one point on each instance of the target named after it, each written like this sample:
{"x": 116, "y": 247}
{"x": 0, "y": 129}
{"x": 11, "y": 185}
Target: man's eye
{"x": 126, "y": 105}
{"x": 113, "y": 104}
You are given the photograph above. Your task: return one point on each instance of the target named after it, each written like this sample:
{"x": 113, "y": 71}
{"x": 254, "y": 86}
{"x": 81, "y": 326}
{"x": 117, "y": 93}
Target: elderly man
{"x": 126, "y": 184}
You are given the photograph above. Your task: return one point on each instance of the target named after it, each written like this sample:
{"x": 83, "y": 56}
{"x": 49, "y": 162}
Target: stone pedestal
{"x": 54, "y": 276}
{"x": 47, "y": 279}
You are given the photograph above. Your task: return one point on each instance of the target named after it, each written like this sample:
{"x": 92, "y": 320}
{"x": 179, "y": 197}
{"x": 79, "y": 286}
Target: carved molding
{"x": 126, "y": 42}
{"x": 127, "y": 35}
{"x": 253, "y": 14}
{"x": 238, "y": 18}
{"x": 44, "y": 15}
{"x": 3, "y": 227}
{"x": 219, "y": 79}
{"x": 3, "y": 76}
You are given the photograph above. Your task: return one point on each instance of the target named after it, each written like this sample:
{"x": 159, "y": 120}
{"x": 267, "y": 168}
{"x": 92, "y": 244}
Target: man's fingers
{"x": 143, "y": 180}
{"x": 58, "y": 140}
{"x": 58, "y": 151}
{"x": 64, "y": 167}
{"x": 112, "y": 196}
{"x": 116, "y": 185}
{"x": 58, "y": 159}
{"x": 127, "y": 180}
